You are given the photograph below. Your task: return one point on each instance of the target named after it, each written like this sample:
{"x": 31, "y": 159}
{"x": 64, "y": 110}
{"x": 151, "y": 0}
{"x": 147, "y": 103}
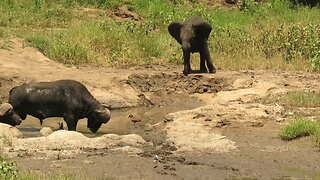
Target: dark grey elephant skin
{"x": 8, "y": 116}
{"x": 193, "y": 36}
{"x": 64, "y": 98}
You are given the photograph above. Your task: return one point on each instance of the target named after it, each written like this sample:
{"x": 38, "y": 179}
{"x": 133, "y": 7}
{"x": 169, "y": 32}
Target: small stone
{"x": 257, "y": 124}
{"x": 46, "y": 131}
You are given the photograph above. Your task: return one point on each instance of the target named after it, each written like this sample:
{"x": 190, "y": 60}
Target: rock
{"x": 133, "y": 118}
{"x": 242, "y": 83}
{"x": 8, "y": 134}
{"x": 46, "y": 131}
{"x": 65, "y": 144}
{"x": 133, "y": 140}
{"x": 9, "y": 131}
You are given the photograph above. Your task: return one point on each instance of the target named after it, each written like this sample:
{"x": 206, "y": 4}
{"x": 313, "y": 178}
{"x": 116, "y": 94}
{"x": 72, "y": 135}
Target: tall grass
{"x": 299, "y": 99}
{"x": 266, "y": 35}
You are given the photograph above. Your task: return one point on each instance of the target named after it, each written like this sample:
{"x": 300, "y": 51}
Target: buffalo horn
{"x": 4, "y": 108}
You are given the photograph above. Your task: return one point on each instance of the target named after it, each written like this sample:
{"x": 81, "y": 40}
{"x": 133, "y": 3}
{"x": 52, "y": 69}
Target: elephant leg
{"x": 71, "y": 122}
{"x": 203, "y": 68}
{"x": 186, "y": 58}
{"x": 206, "y": 54}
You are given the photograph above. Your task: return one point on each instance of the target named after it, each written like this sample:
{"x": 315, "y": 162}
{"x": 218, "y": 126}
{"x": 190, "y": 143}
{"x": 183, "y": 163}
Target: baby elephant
{"x": 193, "y": 36}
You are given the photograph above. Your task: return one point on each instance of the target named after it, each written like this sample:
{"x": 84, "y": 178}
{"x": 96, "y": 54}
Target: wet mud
{"x": 164, "y": 83}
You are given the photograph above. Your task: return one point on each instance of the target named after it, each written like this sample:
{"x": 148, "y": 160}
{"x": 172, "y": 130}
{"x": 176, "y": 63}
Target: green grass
{"x": 300, "y": 127}
{"x": 299, "y": 99}
{"x": 8, "y": 169}
{"x": 266, "y": 35}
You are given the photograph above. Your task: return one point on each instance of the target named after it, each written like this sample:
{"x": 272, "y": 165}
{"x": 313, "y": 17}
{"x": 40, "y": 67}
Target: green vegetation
{"x": 271, "y": 34}
{"x": 301, "y": 104}
{"x": 300, "y": 127}
{"x": 299, "y": 99}
{"x": 8, "y": 169}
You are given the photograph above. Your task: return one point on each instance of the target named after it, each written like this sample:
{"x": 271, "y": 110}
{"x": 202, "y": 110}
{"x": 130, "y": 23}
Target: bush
{"x": 300, "y": 127}
{"x": 8, "y": 170}
{"x": 297, "y": 128}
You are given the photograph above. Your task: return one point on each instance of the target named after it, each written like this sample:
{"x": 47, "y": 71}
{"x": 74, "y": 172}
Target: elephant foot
{"x": 185, "y": 72}
{"x": 212, "y": 69}
{"x": 203, "y": 70}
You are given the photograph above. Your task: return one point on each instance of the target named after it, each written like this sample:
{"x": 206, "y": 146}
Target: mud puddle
{"x": 123, "y": 121}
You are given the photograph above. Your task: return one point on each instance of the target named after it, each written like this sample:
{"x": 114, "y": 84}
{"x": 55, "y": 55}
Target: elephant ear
{"x": 174, "y": 30}
{"x": 203, "y": 30}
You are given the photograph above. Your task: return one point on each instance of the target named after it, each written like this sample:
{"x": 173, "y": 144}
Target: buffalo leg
{"x": 71, "y": 122}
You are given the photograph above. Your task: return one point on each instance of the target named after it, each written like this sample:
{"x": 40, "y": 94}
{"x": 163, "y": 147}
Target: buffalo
{"x": 68, "y": 99}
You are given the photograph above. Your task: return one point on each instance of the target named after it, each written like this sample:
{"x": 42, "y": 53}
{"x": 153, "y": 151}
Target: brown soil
{"x": 123, "y": 13}
{"x": 213, "y": 128}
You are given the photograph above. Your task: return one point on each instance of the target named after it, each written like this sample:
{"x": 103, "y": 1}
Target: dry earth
{"x": 201, "y": 126}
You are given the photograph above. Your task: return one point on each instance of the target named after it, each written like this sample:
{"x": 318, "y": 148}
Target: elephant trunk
{"x": 185, "y": 46}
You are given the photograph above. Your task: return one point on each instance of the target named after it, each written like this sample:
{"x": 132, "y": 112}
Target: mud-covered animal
{"x": 63, "y": 98}
{"x": 193, "y": 35}
{"x": 8, "y": 116}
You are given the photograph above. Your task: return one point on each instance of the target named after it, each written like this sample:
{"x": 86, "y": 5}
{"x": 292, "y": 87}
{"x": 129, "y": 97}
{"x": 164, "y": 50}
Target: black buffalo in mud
{"x": 8, "y": 116}
{"x": 64, "y": 98}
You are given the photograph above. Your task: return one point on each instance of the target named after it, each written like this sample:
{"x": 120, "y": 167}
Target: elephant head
{"x": 192, "y": 34}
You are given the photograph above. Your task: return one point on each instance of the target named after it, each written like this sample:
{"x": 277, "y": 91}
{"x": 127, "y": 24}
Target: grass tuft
{"x": 297, "y": 128}
{"x": 300, "y": 127}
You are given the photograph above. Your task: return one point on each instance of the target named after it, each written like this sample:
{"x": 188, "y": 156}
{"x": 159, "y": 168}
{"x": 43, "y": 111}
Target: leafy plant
{"x": 8, "y": 169}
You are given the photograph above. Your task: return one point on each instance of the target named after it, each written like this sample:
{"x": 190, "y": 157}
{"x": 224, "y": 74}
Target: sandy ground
{"x": 201, "y": 126}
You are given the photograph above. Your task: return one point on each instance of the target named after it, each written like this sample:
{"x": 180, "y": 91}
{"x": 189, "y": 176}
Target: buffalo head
{"x": 97, "y": 118}
{"x": 8, "y": 116}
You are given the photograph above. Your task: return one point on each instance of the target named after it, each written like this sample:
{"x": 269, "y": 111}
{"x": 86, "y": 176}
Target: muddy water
{"x": 120, "y": 123}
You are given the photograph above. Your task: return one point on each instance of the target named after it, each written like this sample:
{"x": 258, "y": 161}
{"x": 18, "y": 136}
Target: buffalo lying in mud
{"x": 8, "y": 116}
{"x": 63, "y": 98}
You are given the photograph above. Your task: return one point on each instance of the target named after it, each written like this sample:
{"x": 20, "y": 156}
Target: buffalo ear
{"x": 4, "y": 108}
{"x": 203, "y": 30}
{"x": 174, "y": 30}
